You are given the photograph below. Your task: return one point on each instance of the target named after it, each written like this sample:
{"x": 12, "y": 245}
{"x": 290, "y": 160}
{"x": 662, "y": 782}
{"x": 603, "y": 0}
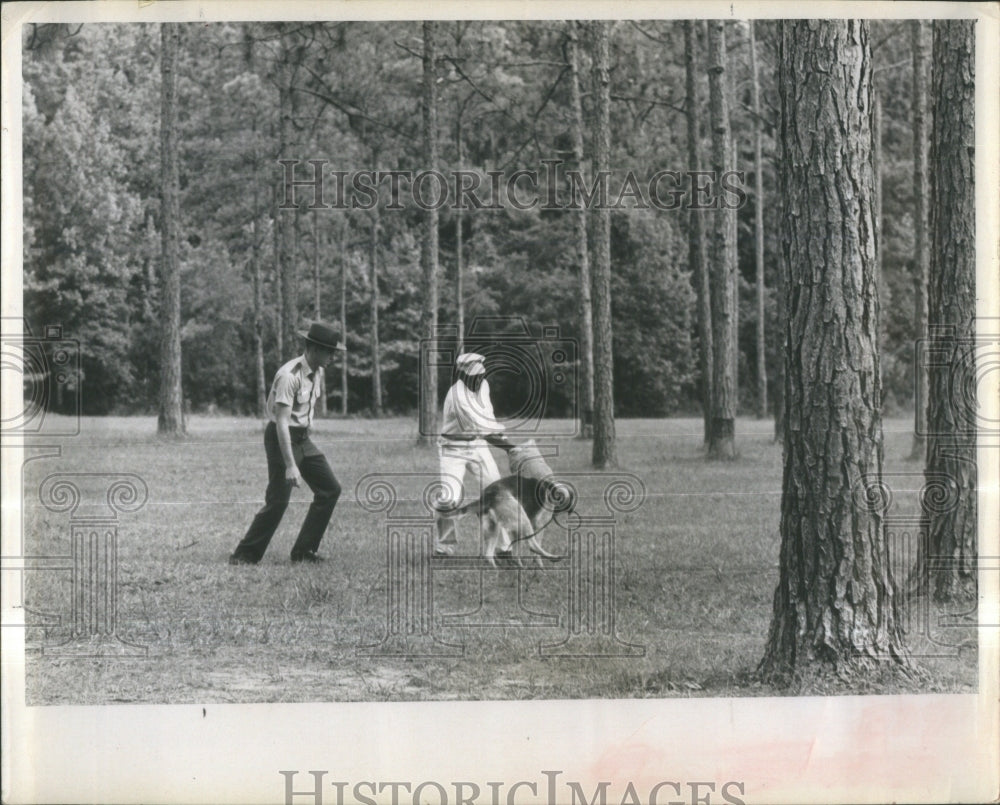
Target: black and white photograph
{"x": 482, "y": 403}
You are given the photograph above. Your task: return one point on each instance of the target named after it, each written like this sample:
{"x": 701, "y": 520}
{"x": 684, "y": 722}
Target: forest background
{"x": 351, "y": 93}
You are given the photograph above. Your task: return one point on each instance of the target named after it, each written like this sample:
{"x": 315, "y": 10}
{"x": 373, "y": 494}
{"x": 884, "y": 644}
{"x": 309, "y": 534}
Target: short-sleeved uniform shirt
{"x": 297, "y": 386}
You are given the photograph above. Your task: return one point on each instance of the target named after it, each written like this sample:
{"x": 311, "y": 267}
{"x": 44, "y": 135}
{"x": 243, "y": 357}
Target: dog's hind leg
{"x": 490, "y": 529}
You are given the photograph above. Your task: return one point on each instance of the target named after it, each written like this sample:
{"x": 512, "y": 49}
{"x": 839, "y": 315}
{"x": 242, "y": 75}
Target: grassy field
{"x": 695, "y": 571}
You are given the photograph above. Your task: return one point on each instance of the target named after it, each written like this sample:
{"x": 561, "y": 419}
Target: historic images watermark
{"x": 905, "y": 501}
{"x": 88, "y": 626}
{"x": 551, "y": 790}
{"x": 585, "y": 608}
{"x": 963, "y": 370}
{"x": 971, "y": 368}
{"x": 549, "y": 187}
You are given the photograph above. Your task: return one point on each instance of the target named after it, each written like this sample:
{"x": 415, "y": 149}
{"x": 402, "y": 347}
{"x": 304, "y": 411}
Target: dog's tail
{"x": 534, "y": 547}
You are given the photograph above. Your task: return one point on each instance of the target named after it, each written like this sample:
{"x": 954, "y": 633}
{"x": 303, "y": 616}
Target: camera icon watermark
{"x": 532, "y": 377}
{"x": 48, "y": 369}
{"x": 963, "y": 373}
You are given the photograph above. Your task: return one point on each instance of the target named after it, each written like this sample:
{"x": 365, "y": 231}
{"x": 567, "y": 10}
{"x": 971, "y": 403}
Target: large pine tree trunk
{"x": 877, "y": 159}
{"x": 721, "y": 254}
{"x": 429, "y": 246}
{"x": 921, "y": 255}
{"x": 459, "y": 244}
{"x": 604, "y": 450}
{"x": 835, "y": 604}
{"x": 696, "y": 230}
{"x": 586, "y": 356}
{"x": 171, "y": 417}
{"x": 343, "y": 314}
{"x": 783, "y": 277}
{"x": 951, "y": 409}
{"x": 376, "y": 349}
{"x": 758, "y": 166}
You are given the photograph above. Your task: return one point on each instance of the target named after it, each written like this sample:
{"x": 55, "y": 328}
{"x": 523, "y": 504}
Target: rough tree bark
{"x": 783, "y": 282}
{"x": 170, "y": 421}
{"x": 376, "y": 350}
{"x": 604, "y": 452}
{"x": 582, "y": 253}
{"x": 721, "y": 253}
{"x": 343, "y": 313}
{"x": 758, "y": 203}
{"x": 696, "y": 229}
{"x": 459, "y": 249}
{"x": 835, "y": 606}
{"x": 950, "y": 504}
{"x": 429, "y": 247}
{"x": 921, "y": 255}
{"x": 877, "y": 159}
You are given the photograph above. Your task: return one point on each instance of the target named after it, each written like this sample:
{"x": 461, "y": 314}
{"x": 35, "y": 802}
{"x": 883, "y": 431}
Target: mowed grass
{"x": 695, "y": 571}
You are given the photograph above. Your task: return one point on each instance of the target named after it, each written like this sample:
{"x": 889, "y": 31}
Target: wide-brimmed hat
{"x": 472, "y": 363}
{"x": 323, "y": 335}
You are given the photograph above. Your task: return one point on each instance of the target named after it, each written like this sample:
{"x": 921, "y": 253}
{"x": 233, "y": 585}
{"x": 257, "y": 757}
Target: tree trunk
{"x": 429, "y": 247}
{"x": 288, "y": 217}
{"x": 950, "y": 517}
{"x": 376, "y": 350}
{"x": 604, "y": 453}
{"x": 921, "y": 260}
{"x": 318, "y": 305}
{"x": 758, "y": 204}
{"x": 258, "y": 305}
{"x": 586, "y": 356}
{"x": 343, "y": 314}
{"x": 696, "y": 231}
{"x": 781, "y": 295}
{"x": 877, "y": 159}
{"x": 278, "y": 278}
{"x": 722, "y": 442}
{"x": 734, "y": 290}
{"x": 459, "y": 256}
{"x": 171, "y": 417}
{"x": 835, "y": 603}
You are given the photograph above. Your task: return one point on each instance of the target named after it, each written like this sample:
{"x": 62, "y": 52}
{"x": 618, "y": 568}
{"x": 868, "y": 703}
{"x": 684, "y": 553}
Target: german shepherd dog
{"x": 517, "y": 508}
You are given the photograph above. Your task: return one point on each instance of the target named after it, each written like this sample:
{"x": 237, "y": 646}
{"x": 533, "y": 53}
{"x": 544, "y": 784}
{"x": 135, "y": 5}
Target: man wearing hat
{"x": 468, "y": 428}
{"x": 291, "y": 455}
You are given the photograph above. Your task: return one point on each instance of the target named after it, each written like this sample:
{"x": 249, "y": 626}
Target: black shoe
{"x": 311, "y": 557}
{"x": 236, "y": 559}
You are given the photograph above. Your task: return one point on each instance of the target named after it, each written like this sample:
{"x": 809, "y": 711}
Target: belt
{"x": 296, "y": 432}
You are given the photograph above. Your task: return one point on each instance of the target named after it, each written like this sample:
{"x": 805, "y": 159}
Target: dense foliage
{"x": 91, "y": 200}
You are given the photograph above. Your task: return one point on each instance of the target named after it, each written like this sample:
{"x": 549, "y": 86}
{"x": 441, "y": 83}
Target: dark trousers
{"x": 316, "y": 472}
